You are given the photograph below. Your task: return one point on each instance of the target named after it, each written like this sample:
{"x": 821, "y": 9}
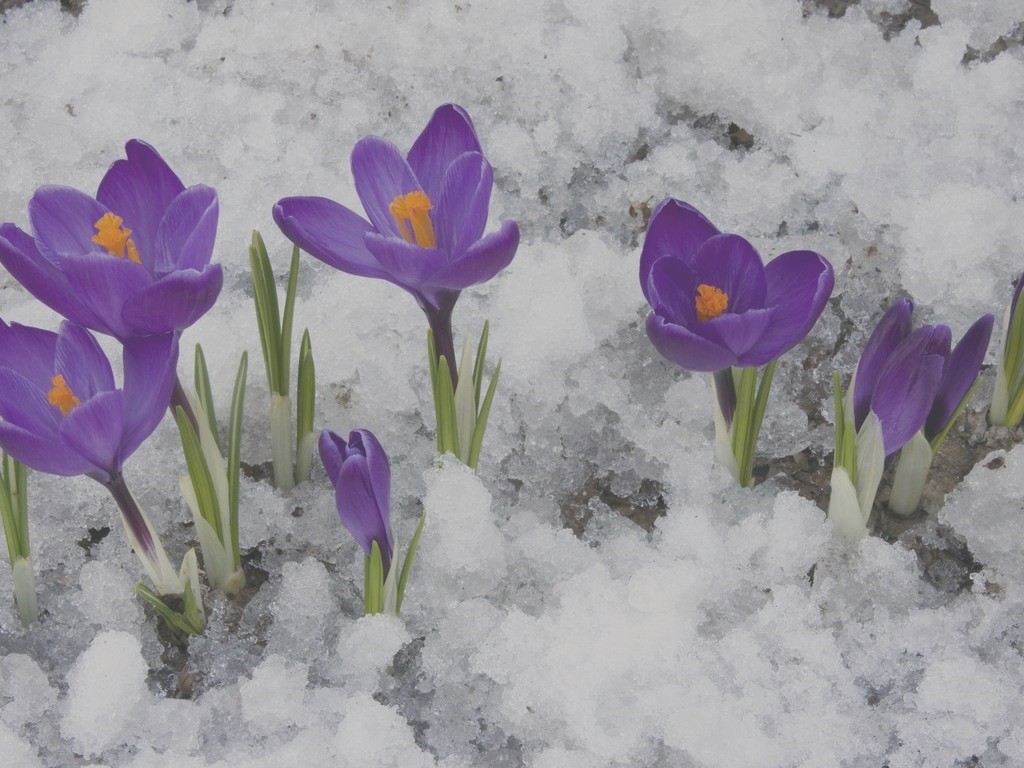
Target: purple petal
{"x": 150, "y": 370}
{"x": 381, "y": 174}
{"x": 63, "y": 221}
{"x": 799, "y": 285}
{"x": 738, "y": 333}
{"x": 332, "y": 449}
{"x": 679, "y": 345}
{"x": 105, "y": 283}
{"x": 28, "y": 351}
{"x": 81, "y": 361}
{"x": 673, "y": 291}
{"x": 379, "y": 468}
{"x": 484, "y": 259}
{"x": 185, "y": 237}
{"x": 359, "y": 510}
{"x": 330, "y": 232}
{"x": 44, "y": 453}
{"x": 675, "y": 229}
{"x": 42, "y": 277}
{"x": 94, "y": 429}
{"x": 173, "y": 302}
{"x": 139, "y": 189}
{"x": 730, "y": 263}
{"x": 449, "y": 133}
{"x": 460, "y": 214}
{"x": 891, "y": 330}
{"x": 25, "y": 404}
{"x": 906, "y": 387}
{"x": 408, "y": 264}
{"x": 962, "y": 370}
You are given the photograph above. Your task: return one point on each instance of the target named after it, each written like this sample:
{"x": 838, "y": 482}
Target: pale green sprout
{"x": 385, "y": 595}
{"x": 1008, "y": 398}
{"x": 191, "y": 619}
{"x": 735, "y": 442}
{"x": 856, "y": 469}
{"x": 14, "y": 513}
{"x": 211, "y": 486}
{"x": 276, "y": 341}
{"x": 461, "y": 416}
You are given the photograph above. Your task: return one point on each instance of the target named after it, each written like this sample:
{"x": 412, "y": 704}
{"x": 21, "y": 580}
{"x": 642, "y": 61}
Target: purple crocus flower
{"x": 427, "y": 214}
{"x": 361, "y": 475}
{"x": 912, "y": 379}
{"x": 62, "y": 413}
{"x": 714, "y": 303}
{"x": 133, "y": 261}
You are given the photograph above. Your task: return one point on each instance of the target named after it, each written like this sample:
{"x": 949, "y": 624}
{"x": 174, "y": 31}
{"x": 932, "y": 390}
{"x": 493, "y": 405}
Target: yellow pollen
{"x": 413, "y": 210}
{"x": 710, "y": 302}
{"x": 61, "y": 395}
{"x": 115, "y": 238}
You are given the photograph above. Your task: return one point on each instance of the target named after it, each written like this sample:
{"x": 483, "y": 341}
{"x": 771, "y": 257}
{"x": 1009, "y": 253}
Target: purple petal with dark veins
{"x": 408, "y": 265}
{"x": 139, "y": 189}
{"x": 172, "y": 303}
{"x": 43, "y": 453}
{"x": 730, "y": 263}
{"x": 25, "y": 404}
{"x": 737, "y": 333}
{"x": 29, "y": 351}
{"x": 185, "y": 237}
{"x": 484, "y": 259}
{"x": 94, "y": 430}
{"x": 679, "y": 345}
{"x": 906, "y": 387}
{"x": 79, "y": 359}
{"x": 381, "y": 174}
{"x": 150, "y": 368}
{"x": 675, "y": 229}
{"x": 449, "y": 133}
{"x": 42, "y": 277}
{"x": 330, "y": 232}
{"x": 799, "y": 285}
{"x": 891, "y": 330}
{"x": 460, "y": 211}
{"x": 962, "y": 369}
{"x": 63, "y": 221}
{"x": 105, "y": 283}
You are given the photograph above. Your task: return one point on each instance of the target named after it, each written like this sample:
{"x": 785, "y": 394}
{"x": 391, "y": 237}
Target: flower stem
{"x": 130, "y": 512}
{"x": 440, "y": 321}
{"x": 725, "y": 391}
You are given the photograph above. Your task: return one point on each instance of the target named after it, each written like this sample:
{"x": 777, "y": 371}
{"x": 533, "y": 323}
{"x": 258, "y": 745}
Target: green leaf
{"x": 435, "y": 386}
{"x": 268, "y": 317}
{"x": 179, "y": 624}
{"x": 465, "y": 404}
{"x": 374, "y": 595}
{"x": 447, "y": 429}
{"x": 204, "y": 393}
{"x": 481, "y": 359}
{"x": 234, "y": 453}
{"x": 481, "y": 420}
{"x": 199, "y": 473}
{"x": 285, "y": 353}
{"x": 407, "y": 563}
{"x": 306, "y": 393}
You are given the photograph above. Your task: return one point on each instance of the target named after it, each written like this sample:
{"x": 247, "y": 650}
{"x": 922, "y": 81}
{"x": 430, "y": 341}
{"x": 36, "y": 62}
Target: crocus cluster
{"x": 132, "y": 261}
{"x": 63, "y": 414}
{"x": 360, "y": 472}
{"x": 909, "y": 388}
{"x": 717, "y": 308}
{"x": 424, "y": 232}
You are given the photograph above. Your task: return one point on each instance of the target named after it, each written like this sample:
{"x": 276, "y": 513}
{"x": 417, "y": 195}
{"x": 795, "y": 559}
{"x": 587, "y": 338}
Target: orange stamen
{"x": 116, "y": 239}
{"x": 61, "y": 395}
{"x": 710, "y": 302}
{"x": 413, "y": 209}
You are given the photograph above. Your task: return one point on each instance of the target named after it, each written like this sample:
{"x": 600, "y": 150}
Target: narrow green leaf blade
{"x": 410, "y": 556}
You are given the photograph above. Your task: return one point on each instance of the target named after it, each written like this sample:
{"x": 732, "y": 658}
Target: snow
{"x": 542, "y": 627}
